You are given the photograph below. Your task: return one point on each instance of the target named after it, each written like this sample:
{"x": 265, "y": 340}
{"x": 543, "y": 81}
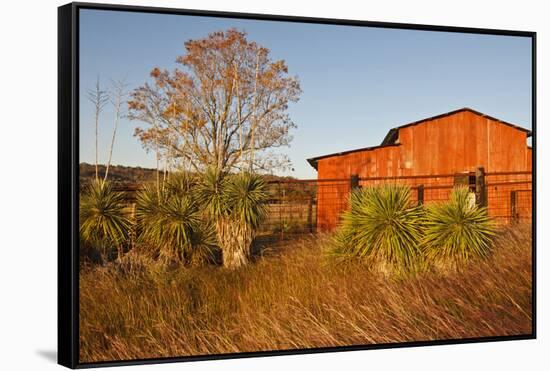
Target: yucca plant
{"x": 457, "y": 230}
{"x": 181, "y": 183}
{"x": 237, "y": 204}
{"x": 170, "y": 222}
{"x": 247, "y": 196}
{"x": 382, "y": 227}
{"x": 212, "y": 194}
{"x": 104, "y": 224}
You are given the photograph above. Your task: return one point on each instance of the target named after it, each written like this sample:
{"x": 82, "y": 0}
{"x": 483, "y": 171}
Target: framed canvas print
{"x": 237, "y": 185}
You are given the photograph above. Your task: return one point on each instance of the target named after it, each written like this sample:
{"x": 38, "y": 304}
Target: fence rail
{"x": 299, "y": 206}
{"x": 507, "y": 196}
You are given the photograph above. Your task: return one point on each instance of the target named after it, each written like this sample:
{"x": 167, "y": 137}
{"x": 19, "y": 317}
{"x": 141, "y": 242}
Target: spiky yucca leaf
{"x": 246, "y": 196}
{"x": 212, "y": 194}
{"x": 382, "y": 227}
{"x": 181, "y": 184}
{"x": 457, "y": 230}
{"x": 148, "y": 201}
{"x": 180, "y": 230}
{"x": 237, "y": 205}
{"x": 103, "y": 221}
{"x": 170, "y": 221}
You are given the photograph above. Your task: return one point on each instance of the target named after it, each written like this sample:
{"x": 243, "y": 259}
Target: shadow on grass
{"x": 273, "y": 244}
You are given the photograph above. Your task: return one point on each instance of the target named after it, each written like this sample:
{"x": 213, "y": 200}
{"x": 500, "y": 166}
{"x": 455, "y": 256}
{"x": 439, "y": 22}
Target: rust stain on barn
{"x": 457, "y": 142}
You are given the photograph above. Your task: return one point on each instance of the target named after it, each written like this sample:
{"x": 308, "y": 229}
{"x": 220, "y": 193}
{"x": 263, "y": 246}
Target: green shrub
{"x": 104, "y": 224}
{"x": 181, "y": 184}
{"x": 172, "y": 224}
{"x": 212, "y": 194}
{"x": 237, "y": 204}
{"x": 247, "y": 197}
{"x": 457, "y": 230}
{"x": 382, "y": 227}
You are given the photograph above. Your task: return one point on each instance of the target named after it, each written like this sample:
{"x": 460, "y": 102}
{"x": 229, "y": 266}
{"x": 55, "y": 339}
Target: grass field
{"x": 290, "y": 297}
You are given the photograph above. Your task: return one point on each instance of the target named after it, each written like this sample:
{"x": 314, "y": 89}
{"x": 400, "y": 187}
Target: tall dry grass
{"x": 292, "y": 298}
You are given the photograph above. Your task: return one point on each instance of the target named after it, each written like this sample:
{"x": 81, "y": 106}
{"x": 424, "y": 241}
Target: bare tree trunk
{"x": 96, "y": 144}
{"x": 158, "y": 171}
{"x": 111, "y": 147}
{"x": 165, "y": 170}
{"x": 157, "y": 156}
{"x": 118, "y": 87}
{"x": 236, "y": 241}
{"x": 254, "y": 115}
{"x": 110, "y": 153}
{"x": 98, "y": 98}
{"x": 239, "y": 113}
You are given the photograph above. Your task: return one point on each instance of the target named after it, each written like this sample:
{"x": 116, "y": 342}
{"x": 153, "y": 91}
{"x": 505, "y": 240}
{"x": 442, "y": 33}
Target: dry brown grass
{"x": 292, "y": 299}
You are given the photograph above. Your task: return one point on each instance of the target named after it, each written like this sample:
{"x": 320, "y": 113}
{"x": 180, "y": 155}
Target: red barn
{"x": 457, "y": 142}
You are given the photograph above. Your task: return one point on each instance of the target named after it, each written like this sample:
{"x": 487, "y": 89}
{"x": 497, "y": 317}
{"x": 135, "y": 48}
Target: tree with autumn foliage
{"x": 225, "y": 109}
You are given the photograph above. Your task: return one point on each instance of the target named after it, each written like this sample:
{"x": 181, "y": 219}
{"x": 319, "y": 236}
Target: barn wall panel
{"x": 457, "y": 143}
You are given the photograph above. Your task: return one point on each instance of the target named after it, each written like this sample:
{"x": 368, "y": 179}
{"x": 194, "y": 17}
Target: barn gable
{"x": 457, "y": 141}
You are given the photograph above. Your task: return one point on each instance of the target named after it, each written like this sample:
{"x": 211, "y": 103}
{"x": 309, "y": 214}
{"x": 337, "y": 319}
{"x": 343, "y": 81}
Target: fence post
{"x": 514, "y": 206}
{"x": 354, "y": 181}
{"x": 420, "y": 194}
{"x": 310, "y": 214}
{"x": 480, "y": 187}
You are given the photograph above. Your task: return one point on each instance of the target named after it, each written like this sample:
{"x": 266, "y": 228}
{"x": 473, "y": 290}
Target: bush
{"x": 457, "y": 230}
{"x": 382, "y": 227}
{"x": 237, "y": 205}
{"x": 104, "y": 224}
{"x": 171, "y": 222}
{"x": 247, "y": 199}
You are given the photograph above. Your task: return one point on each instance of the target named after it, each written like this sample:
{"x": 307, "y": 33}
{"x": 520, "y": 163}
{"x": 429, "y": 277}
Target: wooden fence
{"x": 309, "y": 206}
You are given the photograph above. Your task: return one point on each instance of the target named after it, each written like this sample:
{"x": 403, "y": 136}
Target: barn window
{"x": 472, "y": 182}
{"x": 354, "y": 181}
{"x": 466, "y": 179}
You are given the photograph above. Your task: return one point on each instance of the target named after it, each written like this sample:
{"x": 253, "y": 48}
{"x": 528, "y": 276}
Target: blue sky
{"x": 357, "y": 82}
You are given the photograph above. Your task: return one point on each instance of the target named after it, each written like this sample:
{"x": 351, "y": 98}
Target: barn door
{"x": 467, "y": 180}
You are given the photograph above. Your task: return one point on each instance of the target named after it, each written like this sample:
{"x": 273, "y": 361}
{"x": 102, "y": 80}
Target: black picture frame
{"x": 68, "y": 179}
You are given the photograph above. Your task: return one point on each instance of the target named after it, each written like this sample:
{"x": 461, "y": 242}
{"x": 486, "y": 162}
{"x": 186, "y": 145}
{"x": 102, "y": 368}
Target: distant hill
{"x": 117, "y": 173}
{"x": 123, "y": 175}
